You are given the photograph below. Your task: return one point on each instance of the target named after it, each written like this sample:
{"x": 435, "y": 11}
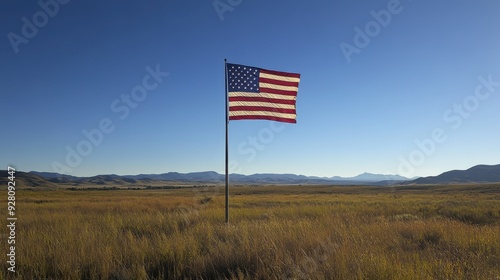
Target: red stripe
{"x": 278, "y": 82}
{"x": 278, "y": 73}
{"x": 263, "y": 99}
{"x": 278, "y": 91}
{"x": 271, "y": 118}
{"x": 262, "y": 109}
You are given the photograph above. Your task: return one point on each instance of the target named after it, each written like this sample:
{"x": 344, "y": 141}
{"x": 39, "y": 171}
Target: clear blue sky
{"x": 363, "y": 101}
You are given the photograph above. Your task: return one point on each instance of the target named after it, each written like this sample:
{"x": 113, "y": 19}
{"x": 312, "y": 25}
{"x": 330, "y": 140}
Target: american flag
{"x": 260, "y": 94}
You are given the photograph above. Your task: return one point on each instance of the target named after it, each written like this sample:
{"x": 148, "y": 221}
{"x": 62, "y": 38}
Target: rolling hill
{"x": 23, "y": 179}
{"x": 476, "y": 174}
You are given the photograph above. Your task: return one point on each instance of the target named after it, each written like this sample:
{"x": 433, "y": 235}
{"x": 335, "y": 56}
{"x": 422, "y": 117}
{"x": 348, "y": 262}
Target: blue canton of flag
{"x": 243, "y": 78}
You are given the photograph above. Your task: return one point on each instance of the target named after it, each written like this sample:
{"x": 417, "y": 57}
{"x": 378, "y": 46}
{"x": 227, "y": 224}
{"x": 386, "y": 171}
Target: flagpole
{"x": 227, "y": 122}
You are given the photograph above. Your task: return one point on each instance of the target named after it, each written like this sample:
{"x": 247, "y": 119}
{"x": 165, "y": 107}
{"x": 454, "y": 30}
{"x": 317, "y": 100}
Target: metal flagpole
{"x": 227, "y": 122}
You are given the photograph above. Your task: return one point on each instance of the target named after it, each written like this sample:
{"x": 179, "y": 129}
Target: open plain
{"x": 275, "y": 232}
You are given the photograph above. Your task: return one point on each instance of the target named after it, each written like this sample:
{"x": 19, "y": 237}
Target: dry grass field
{"x": 275, "y": 232}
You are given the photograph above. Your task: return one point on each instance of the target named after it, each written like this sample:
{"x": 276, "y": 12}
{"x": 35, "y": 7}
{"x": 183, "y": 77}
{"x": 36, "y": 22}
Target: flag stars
{"x": 243, "y": 78}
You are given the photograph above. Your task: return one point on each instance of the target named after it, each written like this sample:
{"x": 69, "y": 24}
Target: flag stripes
{"x": 251, "y": 104}
{"x": 262, "y": 95}
{"x": 256, "y": 93}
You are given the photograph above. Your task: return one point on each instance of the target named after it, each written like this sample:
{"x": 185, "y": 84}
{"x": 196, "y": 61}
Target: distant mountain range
{"x": 372, "y": 178}
{"x": 476, "y": 174}
{"x": 214, "y": 177}
{"x": 53, "y": 180}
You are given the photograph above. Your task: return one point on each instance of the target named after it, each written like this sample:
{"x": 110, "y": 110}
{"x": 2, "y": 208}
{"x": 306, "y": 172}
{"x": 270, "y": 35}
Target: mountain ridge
{"x": 214, "y": 176}
{"x": 476, "y": 174}
{"x": 481, "y": 173}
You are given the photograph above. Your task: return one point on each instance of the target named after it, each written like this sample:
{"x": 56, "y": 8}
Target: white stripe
{"x": 261, "y": 104}
{"x": 262, "y": 113}
{"x": 279, "y": 78}
{"x": 265, "y": 95}
{"x": 279, "y": 87}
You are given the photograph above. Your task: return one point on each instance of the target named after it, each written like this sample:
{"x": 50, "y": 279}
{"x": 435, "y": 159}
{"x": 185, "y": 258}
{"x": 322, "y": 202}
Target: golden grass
{"x": 288, "y": 232}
